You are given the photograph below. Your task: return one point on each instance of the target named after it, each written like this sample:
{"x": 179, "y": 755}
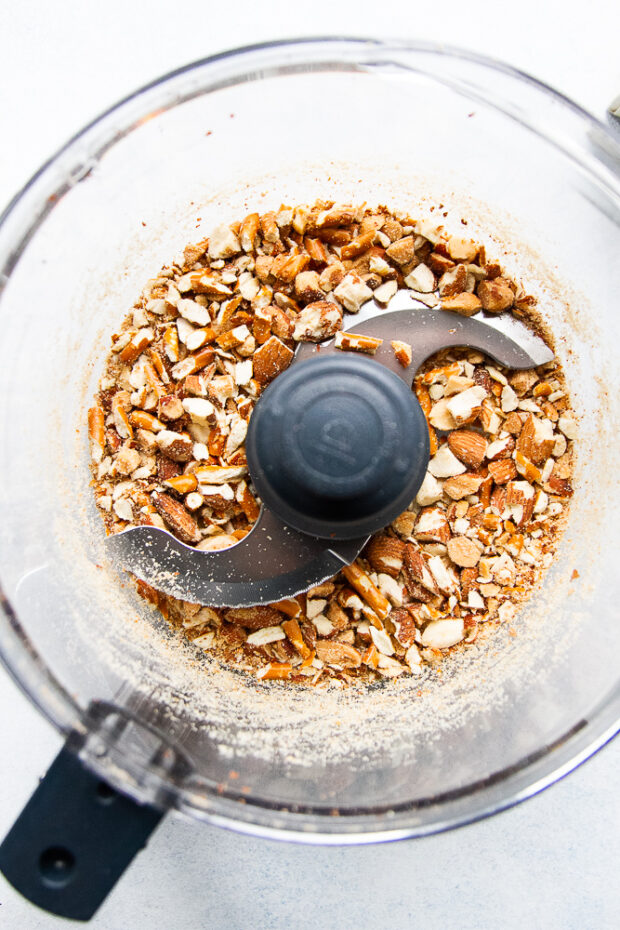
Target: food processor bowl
{"x": 483, "y": 149}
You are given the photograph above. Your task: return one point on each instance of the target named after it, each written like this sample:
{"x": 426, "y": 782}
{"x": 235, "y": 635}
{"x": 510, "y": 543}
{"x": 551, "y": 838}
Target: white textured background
{"x": 550, "y": 864}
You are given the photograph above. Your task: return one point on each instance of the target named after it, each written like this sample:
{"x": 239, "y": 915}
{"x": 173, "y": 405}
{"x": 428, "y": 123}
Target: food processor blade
{"x": 271, "y": 563}
{"x": 275, "y": 561}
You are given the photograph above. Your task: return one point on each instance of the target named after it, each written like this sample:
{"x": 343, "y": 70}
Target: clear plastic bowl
{"x": 412, "y": 126}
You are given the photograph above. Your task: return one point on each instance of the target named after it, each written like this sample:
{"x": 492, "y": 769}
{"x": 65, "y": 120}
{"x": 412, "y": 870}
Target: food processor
{"x": 150, "y": 724}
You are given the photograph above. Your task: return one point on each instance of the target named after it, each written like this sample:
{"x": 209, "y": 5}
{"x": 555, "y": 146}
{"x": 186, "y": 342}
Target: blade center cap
{"x": 337, "y": 443}
{"x": 337, "y": 447}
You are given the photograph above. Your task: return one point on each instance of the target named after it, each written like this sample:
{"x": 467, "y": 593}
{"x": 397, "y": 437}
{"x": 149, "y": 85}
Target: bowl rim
{"x": 20, "y": 220}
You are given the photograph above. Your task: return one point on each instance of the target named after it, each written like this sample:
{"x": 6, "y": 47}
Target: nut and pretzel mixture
{"x": 214, "y": 328}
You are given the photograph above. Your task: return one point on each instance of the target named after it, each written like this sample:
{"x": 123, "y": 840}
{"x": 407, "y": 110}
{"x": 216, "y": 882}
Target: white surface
{"x": 550, "y": 864}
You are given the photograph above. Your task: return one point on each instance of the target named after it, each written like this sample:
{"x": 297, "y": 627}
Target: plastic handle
{"x": 73, "y": 840}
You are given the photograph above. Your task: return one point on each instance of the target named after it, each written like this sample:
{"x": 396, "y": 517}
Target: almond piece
{"x": 338, "y": 655}
{"x": 126, "y": 460}
{"x": 201, "y": 411}
{"x": 254, "y": 618}
{"x": 441, "y": 634}
{"x": 468, "y": 446}
{"x": 385, "y": 554}
{"x": 465, "y": 552}
{"x": 456, "y": 384}
{"x": 432, "y": 525}
{"x": 223, "y": 243}
{"x": 462, "y": 250}
{"x": 338, "y": 618}
{"x": 404, "y": 626}
{"x": 402, "y": 251}
{"x": 416, "y": 571}
{"x": 177, "y": 518}
{"x": 513, "y": 424}
{"x": 462, "y": 486}
{"x": 307, "y": 287}
{"x": 175, "y": 446}
{"x": 382, "y": 641}
{"x": 500, "y": 449}
{"x": 468, "y": 578}
{"x": 440, "y": 416}
{"x": 561, "y": 487}
{"x": 568, "y": 426}
{"x": 405, "y": 522}
{"x": 332, "y": 276}
{"x": 317, "y": 321}
{"x": 430, "y": 491}
{"x": 453, "y": 282}
{"x": 444, "y": 464}
{"x": 265, "y": 636}
{"x": 391, "y": 588}
{"x": 445, "y": 578}
{"x": 194, "y": 313}
{"x": 464, "y": 303}
{"x": 271, "y": 359}
{"x": 413, "y": 659}
{"x": 502, "y": 471}
{"x": 466, "y": 405}
{"x": 166, "y": 468}
{"x": 170, "y": 408}
{"x": 536, "y": 440}
{"x": 421, "y": 279}
{"x": 384, "y": 293}
{"x": 121, "y": 403}
{"x": 352, "y": 292}
{"x": 389, "y": 667}
{"x": 522, "y": 381}
{"x": 495, "y": 295}
{"x": 520, "y": 499}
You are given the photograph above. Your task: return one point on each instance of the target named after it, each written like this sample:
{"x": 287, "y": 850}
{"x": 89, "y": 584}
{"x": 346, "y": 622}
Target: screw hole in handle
{"x": 73, "y": 840}
{"x": 106, "y": 794}
{"x": 57, "y": 866}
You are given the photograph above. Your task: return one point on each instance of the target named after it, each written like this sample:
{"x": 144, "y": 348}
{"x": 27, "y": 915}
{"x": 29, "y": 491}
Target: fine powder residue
{"x": 222, "y": 719}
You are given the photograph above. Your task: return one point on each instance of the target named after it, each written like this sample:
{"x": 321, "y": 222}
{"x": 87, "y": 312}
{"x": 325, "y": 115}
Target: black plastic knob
{"x": 337, "y": 447}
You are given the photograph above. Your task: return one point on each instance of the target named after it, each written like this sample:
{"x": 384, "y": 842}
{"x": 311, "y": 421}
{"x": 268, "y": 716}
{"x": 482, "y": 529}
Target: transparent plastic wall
{"x": 482, "y": 149}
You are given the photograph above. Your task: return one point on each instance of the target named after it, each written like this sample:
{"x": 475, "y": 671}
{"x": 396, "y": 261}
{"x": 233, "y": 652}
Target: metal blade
{"x": 272, "y": 562}
{"x": 503, "y": 338}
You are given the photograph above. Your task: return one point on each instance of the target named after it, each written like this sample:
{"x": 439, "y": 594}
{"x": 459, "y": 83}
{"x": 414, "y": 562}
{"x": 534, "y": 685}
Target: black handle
{"x": 73, "y": 840}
